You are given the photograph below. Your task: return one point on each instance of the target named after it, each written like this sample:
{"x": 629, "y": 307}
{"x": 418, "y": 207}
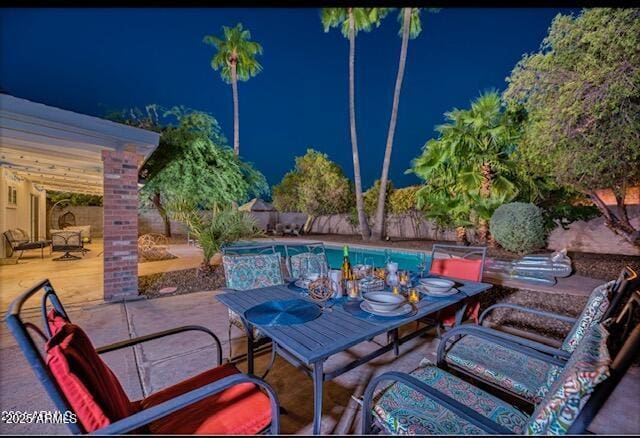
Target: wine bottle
{"x": 346, "y": 265}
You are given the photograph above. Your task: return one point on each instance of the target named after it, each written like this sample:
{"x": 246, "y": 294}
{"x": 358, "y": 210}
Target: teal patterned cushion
{"x": 316, "y": 263}
{"x": 401, "y": 410}
{"x": 593, "y": 311}
{"x": 587, "y": 367}
{"x": 509, "y": 369}
{"x": 253, "y": 271}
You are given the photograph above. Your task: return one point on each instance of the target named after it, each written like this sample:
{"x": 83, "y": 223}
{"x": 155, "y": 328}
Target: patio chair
{"x": 67, "y": 242}
{"x": 465, "y": 263}
{"x": 300, "y": 257}
{"x": 520, "y": 367}
{"x": 219, "y": 401}
{"x": 249, "y": 270}
{"x": 431, "y": 401}
{"x": 18, "y": 240}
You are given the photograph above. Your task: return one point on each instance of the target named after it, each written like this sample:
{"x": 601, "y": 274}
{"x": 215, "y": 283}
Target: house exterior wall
{"x": 18, "y": 215}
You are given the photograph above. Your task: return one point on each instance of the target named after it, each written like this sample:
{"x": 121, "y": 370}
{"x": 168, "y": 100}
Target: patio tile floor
{"x": 146, "y": 369}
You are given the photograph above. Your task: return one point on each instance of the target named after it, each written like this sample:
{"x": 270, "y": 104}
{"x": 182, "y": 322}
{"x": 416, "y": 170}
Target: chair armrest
{"x": 146, "y": 416}
{"x": 162, "y": 334}
{"x": 458, "y": 408}
{"x": 531, "y": 348}
{"x": 537, "y": 312}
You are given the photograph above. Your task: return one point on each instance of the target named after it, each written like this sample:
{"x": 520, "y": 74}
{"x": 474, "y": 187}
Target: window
{"x": 12, "y": 197}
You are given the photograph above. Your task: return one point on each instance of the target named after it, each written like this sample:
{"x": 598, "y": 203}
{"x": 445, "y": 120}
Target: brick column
{"x": 120, "y": 206}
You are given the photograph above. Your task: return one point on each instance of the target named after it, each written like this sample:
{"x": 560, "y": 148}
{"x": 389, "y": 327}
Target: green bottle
{"x": 346, "y": 264}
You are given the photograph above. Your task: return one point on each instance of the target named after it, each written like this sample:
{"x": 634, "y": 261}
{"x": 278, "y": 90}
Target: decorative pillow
{"x": 88, "y": 384}
{"x": 253, "y": 271}
{"x": 586, "y": 368}
{"x": 316, "y": 263}
{"x": 593, "y": 311}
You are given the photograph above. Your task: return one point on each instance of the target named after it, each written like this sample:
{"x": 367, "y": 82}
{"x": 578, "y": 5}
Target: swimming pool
{"x": 407, "y": 260}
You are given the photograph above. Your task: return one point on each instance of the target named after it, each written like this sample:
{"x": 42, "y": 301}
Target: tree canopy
{"x": 581, "y": 91}
{"x": 236, "y": 48}
{"x": 316, "y": 186}
{"x": 193, "y": 162}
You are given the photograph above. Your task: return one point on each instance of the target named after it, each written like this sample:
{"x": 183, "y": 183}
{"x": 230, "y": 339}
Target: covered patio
{"x": 47, "y": 148}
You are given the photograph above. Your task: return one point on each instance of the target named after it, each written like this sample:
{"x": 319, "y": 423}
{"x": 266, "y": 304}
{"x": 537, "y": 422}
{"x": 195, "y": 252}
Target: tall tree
{"x": 469, "y": 168}
{"x": 351, "y": 21}
{"x": 194, "y": 163}
{"x": 236, "y": 60}
{"x": 582, "y": 95}
{"x": 411, "y": 28}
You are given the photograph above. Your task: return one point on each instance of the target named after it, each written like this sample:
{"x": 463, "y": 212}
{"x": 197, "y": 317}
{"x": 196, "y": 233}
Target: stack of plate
{"x": 385, "y": 304}
{"x": 437, "y": 287}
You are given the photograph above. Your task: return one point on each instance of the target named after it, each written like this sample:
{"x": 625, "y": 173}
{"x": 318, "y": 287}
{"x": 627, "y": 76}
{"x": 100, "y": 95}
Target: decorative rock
{"x": 216, "y": 260}
{"x": 167, "y": 290}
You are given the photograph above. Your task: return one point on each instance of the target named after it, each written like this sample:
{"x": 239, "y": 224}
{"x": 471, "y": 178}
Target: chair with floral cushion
{"x": 518, "y": 366}
{"x": 306, "y": 258}
{"x": 431, "y": 401}
{"x": 218, "y": 401}
{"x": 251, "y": 271}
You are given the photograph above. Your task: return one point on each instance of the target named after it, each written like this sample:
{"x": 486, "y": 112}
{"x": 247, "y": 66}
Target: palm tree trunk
{"x": 485, "y": 192}
{"x": 236, "y": 111}
{"x": 378, "y": 226}
{"x": 362, "y": 218}
{"x": 461, "y": 235}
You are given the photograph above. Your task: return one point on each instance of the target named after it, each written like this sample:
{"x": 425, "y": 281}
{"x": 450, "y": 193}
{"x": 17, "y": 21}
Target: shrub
{"x": 518, "y": 227}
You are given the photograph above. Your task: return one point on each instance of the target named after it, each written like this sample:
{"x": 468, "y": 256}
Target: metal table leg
{"x": 318, "y": 380}
{"x": 248, "y": 328}
{"x": 460, "y": 314}
{"x": 396, "y": 342}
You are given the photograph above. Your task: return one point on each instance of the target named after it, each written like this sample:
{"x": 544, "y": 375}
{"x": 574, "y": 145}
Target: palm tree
{"x": 351, "y": 21}
{"x": 236, "y": 60}
{"x": 411, "y": 28}
{"x": 469, "y": 163}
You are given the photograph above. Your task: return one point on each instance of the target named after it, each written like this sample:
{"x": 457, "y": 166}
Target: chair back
{"x": 624, "y": 347}
{"x": 302, "y": 256}
{"x": 463, "y": 262}
{"x": 606, "y": 301}
{"x": 243, "y": 272}
{"x": 64, "y": 239}
{"x": 22, "y": 332}
{"x": 73, "y": 373}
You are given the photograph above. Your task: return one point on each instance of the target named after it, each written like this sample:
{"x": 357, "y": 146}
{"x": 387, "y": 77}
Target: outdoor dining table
{"x": 308, "y": 345}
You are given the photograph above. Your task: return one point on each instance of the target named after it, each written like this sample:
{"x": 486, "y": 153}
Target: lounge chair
{"x": 431, "y": 401}
{"x": 18, "y": 240}
{"x": 219, "y": 401}
{"x": 518, "y": 366}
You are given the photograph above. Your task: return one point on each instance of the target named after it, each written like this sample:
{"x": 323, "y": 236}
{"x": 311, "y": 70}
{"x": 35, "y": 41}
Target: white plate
{"x": 425, "y": 291}
{"x": 407, "y": 308}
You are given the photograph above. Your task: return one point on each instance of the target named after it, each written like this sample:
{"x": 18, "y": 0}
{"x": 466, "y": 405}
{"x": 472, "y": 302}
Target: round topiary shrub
{"x": 518, "y": 227}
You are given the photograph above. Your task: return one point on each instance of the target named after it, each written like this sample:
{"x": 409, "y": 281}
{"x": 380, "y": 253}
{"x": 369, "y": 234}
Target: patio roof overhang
{"x": 62, "y": 150}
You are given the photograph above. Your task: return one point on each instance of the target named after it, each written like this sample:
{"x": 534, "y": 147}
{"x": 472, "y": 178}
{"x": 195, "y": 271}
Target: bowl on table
{"x": 384, "y": 301}
{"x": 437, "y": 285}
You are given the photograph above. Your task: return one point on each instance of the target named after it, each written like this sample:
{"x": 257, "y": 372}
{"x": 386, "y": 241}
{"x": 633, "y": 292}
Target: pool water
{"x": 376, "y": 257}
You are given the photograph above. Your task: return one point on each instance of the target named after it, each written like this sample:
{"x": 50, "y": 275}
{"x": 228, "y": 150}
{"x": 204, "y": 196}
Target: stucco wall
{"x": 149, "y": 221}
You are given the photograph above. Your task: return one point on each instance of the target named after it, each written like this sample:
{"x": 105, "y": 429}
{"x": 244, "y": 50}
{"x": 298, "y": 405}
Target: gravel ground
{"x": 186, "y": 280}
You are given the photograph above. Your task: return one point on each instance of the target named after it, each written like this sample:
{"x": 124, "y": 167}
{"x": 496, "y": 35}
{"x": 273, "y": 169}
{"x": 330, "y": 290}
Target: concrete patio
{"x": 155, "y": 365}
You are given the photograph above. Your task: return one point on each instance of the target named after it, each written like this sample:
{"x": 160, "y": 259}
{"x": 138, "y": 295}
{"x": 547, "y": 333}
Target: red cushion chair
{"x": 219, "y": 401}
{"x": 463, "y": 269}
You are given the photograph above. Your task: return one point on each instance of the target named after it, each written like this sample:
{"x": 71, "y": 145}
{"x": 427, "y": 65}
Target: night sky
{"x": 96, "y": 60}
